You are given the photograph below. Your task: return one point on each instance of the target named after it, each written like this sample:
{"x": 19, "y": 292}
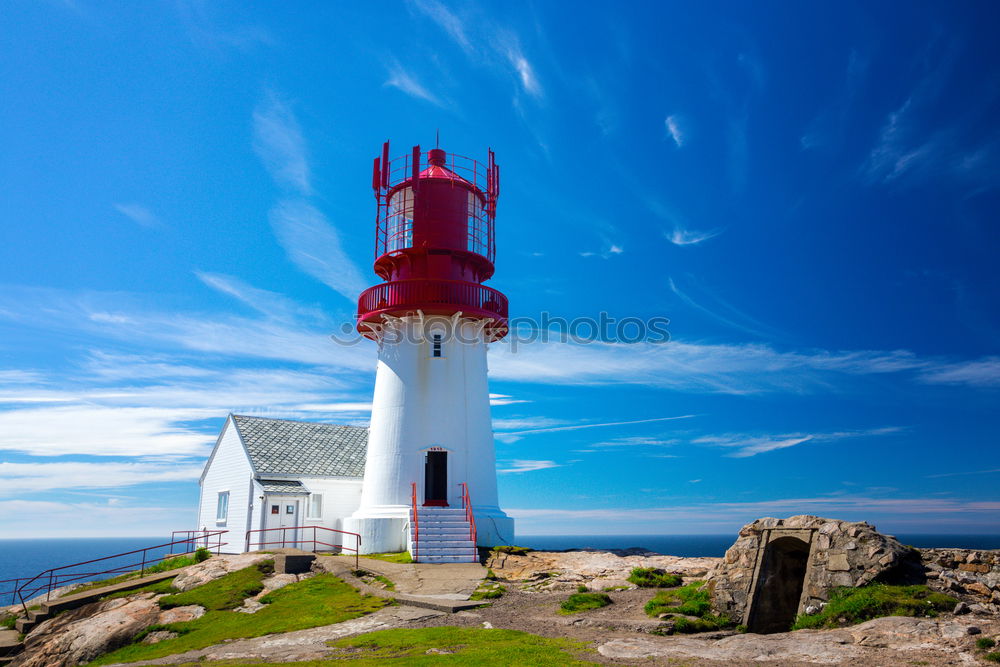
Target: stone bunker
{"x": 780, "y": 568}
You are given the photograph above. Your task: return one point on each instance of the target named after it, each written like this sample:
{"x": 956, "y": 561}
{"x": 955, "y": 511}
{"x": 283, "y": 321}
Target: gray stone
{"x": 961, "y": 608}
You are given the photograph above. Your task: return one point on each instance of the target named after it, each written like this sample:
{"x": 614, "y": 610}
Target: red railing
{"x": 427, "y": 295}
{"x": 48, "y": 580}
{"x": 470, "y": 517}
{"x": 297, "y": 540}
{"x": 10, "y": 588}
{"x": 192, "y": 538}
{"x": 390, "y": 173}
{"x": 416, "y": 521}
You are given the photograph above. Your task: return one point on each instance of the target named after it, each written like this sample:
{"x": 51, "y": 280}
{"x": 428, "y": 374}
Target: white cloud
{"x": 404, "y": 81}
{"x": 139, "y": 214}
{"x": 577, "y": 427}
{"x": 448, "y": 21}
{"x": 279, "y": 144}
{"x": 980, "y": 373}
{"x": 680, "y": 236}
{"x": 17, "y": 478}
{"x": 751, "y": 445}
{"x": 673, "y": 126}
{"x": 503, "y": 399}
{"x": 521, "y": 465}
{"x": 315, "y": 247}
{"x": 36, "y": 518}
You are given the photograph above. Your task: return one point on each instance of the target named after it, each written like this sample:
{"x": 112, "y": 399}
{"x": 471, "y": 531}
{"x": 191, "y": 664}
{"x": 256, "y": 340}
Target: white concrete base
{"x": 380, "y": 535}
{"x": 493, "y": 528}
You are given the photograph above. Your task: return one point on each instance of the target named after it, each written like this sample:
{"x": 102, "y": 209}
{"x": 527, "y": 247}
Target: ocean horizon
{"x": 20, "y": 558}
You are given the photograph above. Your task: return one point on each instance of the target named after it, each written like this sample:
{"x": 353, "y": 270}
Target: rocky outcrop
{"x": 972, "y": 574}
{"x": 893, "y": 640}
{"x": 832, "y": 554}
{"x": 214, "y": 568}
{"x": 595, "y": 569}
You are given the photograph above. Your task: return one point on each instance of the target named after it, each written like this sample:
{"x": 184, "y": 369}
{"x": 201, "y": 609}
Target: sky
{"x": 807, "y": 191}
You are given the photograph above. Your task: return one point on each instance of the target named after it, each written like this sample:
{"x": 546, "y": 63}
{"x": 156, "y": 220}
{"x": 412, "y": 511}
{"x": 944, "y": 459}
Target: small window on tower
{"x": 436, "y": 345}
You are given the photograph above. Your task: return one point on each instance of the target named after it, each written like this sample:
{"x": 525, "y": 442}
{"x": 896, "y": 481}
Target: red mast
{"x": 434, "y": 243}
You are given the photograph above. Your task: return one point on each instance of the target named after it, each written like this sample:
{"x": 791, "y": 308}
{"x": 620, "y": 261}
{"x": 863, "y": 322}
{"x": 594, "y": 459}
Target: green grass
{"x": 984, "y": 643}
{"x": 992, "y": 657}
{"x": 691, "y": 600}
{"x": 320, "y": 600}
{"x": 512, "y": 550}
{"x": 365, "y": 575}
{"x": 488, "y": 592}
{"x": 397, "y": 557}
{"x": 848, "y": 606}
{"x": 680, "y": 604}
{"x": 651, "y": 577}
{"x": 226, "y": 592}
{"x": 578, "y": 602}
{"x": 8, "y": 622}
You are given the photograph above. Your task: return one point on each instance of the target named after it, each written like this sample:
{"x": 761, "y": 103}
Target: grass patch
{"x": 848, "y": 606}
{"x": 651, "y": 577}
{"x": 578, "y": 602}
{"x": 319, "y": 600}
{"x": 690, "y": 607}
{"x": 691, "y": 600}
{"x": 984, "y": 643}
{"x": 467, "y": 646}
{"x": 8, "y": 622}
{"x": 611, "y": 589}
{"x": 226, "y": 592}
{"x": 992, "y": 657}
{"x": 398, "y": 557}
{"x": 371, "y": 577}
{"x": 488, "y": 592}
{"x": 512, "y": 550}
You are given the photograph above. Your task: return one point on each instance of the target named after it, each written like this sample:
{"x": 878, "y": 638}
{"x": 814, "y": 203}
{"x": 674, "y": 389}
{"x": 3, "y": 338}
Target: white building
{"x": 272, "y": 474}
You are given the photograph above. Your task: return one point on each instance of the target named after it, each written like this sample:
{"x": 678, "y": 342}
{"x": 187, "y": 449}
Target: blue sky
{"x": 809, "y": 192}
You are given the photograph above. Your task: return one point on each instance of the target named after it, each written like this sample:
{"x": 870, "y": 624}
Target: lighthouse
{"x": 430, "y": 472}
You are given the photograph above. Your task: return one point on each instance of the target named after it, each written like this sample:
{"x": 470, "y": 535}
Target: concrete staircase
{"x": 444, "y": 536}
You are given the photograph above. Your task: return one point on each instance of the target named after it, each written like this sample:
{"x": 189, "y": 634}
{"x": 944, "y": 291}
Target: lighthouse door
{"x": 436, "y": 479}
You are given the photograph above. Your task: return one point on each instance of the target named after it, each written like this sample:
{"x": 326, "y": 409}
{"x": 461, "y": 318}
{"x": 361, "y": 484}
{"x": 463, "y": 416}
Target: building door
{"x": 436, "y": 479}
{"x": 779, "y": 586}
{"x": 283, "y": 513}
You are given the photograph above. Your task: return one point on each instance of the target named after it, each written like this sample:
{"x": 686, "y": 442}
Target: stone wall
{"x": 972, "y": 574}
{"x": 840, "y": 553}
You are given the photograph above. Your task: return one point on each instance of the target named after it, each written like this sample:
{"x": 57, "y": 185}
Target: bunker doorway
{"x": 779, "y": 586}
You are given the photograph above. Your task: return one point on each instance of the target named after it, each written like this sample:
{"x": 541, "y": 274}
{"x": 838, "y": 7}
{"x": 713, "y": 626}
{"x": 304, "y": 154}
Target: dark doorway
{"x": 436, "y": 479}
{"x": 779, "y": 586}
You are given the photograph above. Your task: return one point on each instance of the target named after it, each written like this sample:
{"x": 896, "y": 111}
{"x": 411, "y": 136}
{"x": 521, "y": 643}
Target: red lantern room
{"x": 434, "y": 242}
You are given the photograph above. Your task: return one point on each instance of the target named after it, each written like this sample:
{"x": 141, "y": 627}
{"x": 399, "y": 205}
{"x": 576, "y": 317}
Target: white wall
{"x": 228, "y": 470}
{"x": 420, "y": 402}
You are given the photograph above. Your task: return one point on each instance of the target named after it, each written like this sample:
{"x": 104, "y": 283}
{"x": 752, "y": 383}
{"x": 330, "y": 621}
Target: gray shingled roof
{"x": 284, "y": 447}
{"x": 282, "y": 486}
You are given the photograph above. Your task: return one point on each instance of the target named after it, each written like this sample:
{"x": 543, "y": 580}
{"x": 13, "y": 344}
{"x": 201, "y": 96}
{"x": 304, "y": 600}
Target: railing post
{"x": 142, "y": 568}
{"x": 49, "y": 591}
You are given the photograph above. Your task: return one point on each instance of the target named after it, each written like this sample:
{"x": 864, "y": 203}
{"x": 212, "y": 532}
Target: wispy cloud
{"x": 521, "y": 465}
{"x": 577, "y": 427}
{"x": 139, "y": 214}
{"x": 406, "y": 82}
{"x": 750, "y": 445}
{"x": 989, "y": 471}
{"x": 279, "y": 144}
{"x": 314, "y": 245}
{"x": 680, "y": 236}
{"x": 978, "y": 372}
{"x": 43, "y": 518}
{"x": 673, "y": 125}
{"x": 721, "y": 310}
{"x": 33, "y": 477}
{"x": 448, "y": 21}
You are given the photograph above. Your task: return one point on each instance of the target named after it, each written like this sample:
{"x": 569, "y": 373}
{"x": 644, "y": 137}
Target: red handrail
{"x": 416, "y": 523}
{"x": 470, "y": 517}
{"x": 296, "y": 540}
{"x": 55, "y": 580}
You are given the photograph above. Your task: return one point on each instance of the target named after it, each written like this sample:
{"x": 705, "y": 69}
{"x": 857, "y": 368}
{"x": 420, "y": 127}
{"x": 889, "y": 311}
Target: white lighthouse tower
{"x": 430, "y": 473}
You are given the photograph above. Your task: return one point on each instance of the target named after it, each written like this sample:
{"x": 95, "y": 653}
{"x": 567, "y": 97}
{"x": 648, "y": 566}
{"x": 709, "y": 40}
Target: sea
{"x": 26, "y": 558}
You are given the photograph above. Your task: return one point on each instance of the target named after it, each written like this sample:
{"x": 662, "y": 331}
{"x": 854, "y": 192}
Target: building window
{"x": 436, "y": 345}
{"x": 222, "y": 508}
{"x": 316, "y": 506}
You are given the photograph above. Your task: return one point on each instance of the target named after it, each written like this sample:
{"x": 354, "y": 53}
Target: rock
{"x": 158, "y": 636}
{"x": 80, "y": 635}
{"x": 600, "y": 569}
{"x": 438, "y": 651}
{"x": 973, "y": 630}
{"x": 961, "y": 608}
{"x": 487, "y": 625}
{"x": 838, "y": 563}
{"x": 180, "y": 614}
{"x": 215, "y": 568}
